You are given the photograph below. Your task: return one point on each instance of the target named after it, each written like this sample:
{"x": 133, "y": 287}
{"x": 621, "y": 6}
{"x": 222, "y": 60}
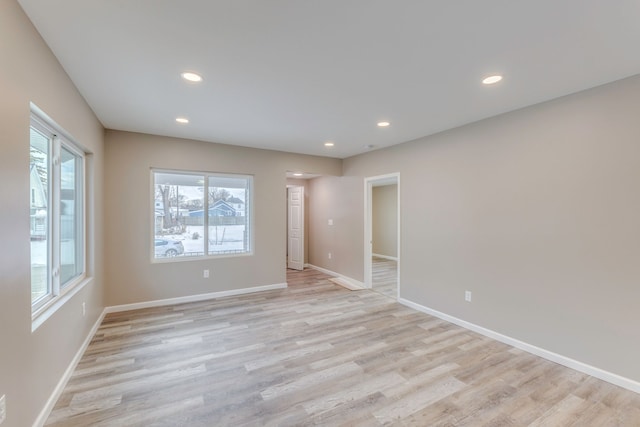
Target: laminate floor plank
{"x": 316, "y": 353}
{"x": 384, "y": 276}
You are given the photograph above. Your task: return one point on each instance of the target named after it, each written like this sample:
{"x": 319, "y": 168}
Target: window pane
{"x": 228, "y": 215}
{"x": 178, "y": 215}
{"x": 71, "y": 263}
{"x": 57, "y": 224}
{"x": 39, "y": 215}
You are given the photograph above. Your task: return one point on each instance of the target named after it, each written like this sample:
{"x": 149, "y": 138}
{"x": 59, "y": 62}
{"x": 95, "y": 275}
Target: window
{"x": 56, "y": 197}
{"x": 201, "y": 214}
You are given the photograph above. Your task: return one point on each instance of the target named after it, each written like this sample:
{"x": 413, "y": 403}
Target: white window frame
{"x": 249, "y": 224}
{"x": 59, "y": 293}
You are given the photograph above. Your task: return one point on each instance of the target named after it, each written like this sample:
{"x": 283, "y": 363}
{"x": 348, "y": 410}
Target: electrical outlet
{"x": 205, "y": 274}
{"x": 467, "y": 296}
{"x": 329, "y": 255}
{"x": 84, "y": 309}
{"x": 3, "y": 408}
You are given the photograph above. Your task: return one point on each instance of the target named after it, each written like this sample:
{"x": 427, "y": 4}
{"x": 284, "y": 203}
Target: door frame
{"x": 302, "y": 223}
{"x": 369, "y": 183}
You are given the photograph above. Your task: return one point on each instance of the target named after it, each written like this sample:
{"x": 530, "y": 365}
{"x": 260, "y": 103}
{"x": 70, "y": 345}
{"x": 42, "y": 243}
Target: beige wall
{"x": 31, "y": 364}
{"x": 340, "y": 199}
{"x": 130, "y": 275}
{"x": 536, "y": 212}
{"x": 384, "y": 224}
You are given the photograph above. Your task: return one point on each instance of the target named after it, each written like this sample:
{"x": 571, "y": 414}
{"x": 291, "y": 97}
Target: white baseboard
{"x": 46, "y": 411}
{"x": 610, "y": 377}
{"x": 351, "y": 282}
{"x": 392, "y": 258}
{"x": 193, "y": 298}
{"x": 51, "y": 402}
{"x": 345, "y": 284}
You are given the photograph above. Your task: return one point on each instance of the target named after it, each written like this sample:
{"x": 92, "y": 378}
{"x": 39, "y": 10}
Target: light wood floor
{"x": 384, "y": 276}
{"x": 318, "y": 354}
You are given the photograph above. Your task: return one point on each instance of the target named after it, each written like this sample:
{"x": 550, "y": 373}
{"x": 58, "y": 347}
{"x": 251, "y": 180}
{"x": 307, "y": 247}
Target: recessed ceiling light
{"x": 383, "y": 124}
{"x": 329, "y": 144}
{"x": 192, "y": 77}
{"x": 492, "y": 79}
{"x": 182, "y": 120}
{"x": 297, "y": 174}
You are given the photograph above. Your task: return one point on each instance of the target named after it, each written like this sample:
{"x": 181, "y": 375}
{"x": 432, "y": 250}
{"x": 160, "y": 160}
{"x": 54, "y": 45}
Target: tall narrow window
{"x": 57, "y": 213}
{"x": 39, "y": 212}
{"x": 200, "y": 214}
{"x": 71, "y": 224}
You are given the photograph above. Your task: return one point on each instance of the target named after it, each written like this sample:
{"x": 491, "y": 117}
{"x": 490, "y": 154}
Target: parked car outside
{"x": 168, "y": 248}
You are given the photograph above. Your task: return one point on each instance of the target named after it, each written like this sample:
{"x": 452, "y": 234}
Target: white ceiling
{"x": 291, "y": 74}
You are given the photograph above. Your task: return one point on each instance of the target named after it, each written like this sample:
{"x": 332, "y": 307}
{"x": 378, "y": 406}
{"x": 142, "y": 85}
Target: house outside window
{"x": 198, "y": 215}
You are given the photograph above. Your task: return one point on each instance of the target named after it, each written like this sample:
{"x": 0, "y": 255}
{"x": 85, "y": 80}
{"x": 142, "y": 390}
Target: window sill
{"x": 45, "y": 312}
{"x": 199, "y": 258}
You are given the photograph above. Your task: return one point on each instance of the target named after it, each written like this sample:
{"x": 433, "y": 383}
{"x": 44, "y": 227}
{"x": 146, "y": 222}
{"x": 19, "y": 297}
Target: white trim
{"x": 193, "y": 298}
{"x": 607, "y": 376}
{"x": 368, "y": 233}
{"x": 391, "y": 258}
{"x": 349, "y": 281}
{"x": 293, "y": 264}
{"x": 55, "y": 395}
{"x": 345, "y": 284}
{"x": 57, "y": 140}
{"x": 47, "y": 310}
{"x": 206, "y": 176}
{"x": 612, "y": 378}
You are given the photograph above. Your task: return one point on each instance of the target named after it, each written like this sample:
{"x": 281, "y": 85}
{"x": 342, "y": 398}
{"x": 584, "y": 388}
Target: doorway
{"x": 382, "y": 234}
{"x": 295, "y": 227}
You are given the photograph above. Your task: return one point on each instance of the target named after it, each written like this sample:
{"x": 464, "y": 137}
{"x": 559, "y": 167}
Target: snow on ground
{"x": 39, "y": 252}
{"x": 222, "y": 238}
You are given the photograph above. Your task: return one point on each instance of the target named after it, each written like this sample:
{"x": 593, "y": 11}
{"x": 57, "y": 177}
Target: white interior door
{"x": 295, "y": 232}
